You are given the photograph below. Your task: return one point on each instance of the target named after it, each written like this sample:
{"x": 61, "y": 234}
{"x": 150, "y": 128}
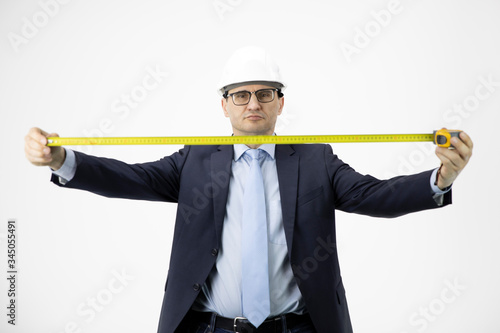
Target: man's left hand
{"x": 453, "y": 160}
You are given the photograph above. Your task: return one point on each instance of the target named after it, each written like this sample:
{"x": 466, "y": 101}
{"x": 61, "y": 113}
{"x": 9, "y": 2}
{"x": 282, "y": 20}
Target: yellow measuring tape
{"x": 441, "y": 138}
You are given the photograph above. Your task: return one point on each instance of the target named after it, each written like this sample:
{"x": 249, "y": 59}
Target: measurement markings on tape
{"x": 230, "y": 140}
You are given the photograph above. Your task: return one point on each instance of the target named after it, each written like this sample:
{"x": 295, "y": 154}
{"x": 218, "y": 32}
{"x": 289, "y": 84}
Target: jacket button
{"x": 215, "y": 252}
{"x": 196, "y": 287}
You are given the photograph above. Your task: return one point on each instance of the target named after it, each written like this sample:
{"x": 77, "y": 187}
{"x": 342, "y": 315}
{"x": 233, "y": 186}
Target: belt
{"x": 242, "y": 325}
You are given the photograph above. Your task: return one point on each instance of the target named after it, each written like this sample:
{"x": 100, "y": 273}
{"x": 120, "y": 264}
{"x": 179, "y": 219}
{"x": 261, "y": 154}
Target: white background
{"x": 405, "y": 78}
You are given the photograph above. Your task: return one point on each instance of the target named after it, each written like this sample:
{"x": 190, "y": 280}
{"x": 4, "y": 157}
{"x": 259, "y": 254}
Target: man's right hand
{"x": 37, "y": 152}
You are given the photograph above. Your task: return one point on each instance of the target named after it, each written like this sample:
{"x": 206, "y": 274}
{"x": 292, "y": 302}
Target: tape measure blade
{"x": 230, "y": 140}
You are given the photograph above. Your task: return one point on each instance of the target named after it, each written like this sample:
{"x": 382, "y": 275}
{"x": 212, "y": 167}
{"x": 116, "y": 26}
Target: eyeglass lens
{"x": 263, "y": 96}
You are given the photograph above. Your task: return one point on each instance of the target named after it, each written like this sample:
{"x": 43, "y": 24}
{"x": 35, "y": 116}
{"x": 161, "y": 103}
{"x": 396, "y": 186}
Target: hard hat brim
{"x": 275, "y": 84}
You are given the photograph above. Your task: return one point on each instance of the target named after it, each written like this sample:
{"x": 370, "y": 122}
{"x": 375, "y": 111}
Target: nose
{"x": 253, "y": 104}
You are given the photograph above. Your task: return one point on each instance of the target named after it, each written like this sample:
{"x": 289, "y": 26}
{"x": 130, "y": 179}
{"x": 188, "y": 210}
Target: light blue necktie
{"x": 255, "y": 276}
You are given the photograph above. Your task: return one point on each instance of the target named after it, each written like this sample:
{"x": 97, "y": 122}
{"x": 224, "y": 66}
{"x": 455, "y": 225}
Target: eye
{"x": 265, "y": 94}
{"x": 240, "y": 95}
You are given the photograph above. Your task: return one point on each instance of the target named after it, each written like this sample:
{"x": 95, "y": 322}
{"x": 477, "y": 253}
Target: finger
{"x": 41, "y": 164}
{"x": 450, "y": 157}
{"x": 462, "y": 149}
{"x": 442, "y": 156}
{"x": 40, "y": 160}
{"x": 464, "y": 145}
{"x": 467, "y": 140}
{"x": 38, "y": 134}
{"x": 35, "y": 156}
{"x": 37, "y": 153}
{"x": 35, "y": 147}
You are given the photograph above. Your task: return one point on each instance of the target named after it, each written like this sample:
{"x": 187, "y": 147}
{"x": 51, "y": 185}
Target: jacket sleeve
{"x": 367, "y": 195}
{"x": 155, "y": 181}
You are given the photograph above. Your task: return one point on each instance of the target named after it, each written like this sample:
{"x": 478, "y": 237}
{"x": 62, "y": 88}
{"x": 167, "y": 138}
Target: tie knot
{"x": 254, "y": 154}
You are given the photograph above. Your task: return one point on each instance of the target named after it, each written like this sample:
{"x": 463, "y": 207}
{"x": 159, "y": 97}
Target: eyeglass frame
{"x": 280, "y": 94}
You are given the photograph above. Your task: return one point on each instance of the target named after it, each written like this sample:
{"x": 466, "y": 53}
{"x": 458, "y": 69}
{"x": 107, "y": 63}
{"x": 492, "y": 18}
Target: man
{"x": 241, "y": 251}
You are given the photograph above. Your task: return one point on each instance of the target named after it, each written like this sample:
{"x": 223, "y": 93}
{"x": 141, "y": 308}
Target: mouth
{"x": 254, "y": 117}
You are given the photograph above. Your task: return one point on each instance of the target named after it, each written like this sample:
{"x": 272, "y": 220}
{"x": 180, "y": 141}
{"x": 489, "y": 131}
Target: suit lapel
{"x": 287, "y": 164}
{"x": 220, "y": 173}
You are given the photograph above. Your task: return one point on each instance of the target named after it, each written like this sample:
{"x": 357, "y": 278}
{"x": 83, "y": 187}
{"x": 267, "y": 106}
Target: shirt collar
{"x": 240, "y": 149}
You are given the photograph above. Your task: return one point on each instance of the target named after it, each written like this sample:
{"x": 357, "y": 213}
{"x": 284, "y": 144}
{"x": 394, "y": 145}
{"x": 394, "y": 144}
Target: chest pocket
{"x": 275, "y": 229}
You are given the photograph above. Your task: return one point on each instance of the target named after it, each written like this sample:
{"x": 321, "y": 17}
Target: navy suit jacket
{"x": 313, "y": 182}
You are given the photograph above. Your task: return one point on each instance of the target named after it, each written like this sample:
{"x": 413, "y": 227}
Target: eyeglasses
{"x": 243, "y": 97}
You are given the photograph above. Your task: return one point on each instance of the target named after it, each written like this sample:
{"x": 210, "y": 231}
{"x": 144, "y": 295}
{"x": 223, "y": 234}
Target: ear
{"x": 224, "y": 107}
{"x": 282, "y": 103}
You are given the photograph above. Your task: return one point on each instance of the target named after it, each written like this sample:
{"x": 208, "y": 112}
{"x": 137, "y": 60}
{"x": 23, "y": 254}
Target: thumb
{"x": 52, "y": 135}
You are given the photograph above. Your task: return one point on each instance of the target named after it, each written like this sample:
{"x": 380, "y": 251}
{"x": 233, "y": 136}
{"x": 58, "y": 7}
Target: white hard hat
{"x": 250, "y": 65}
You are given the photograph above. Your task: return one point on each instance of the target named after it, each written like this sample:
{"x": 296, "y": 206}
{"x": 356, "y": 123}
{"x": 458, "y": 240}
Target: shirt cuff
{"x": 68, "y": 169}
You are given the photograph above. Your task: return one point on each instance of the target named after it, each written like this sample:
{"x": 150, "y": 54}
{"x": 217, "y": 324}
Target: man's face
{"x": 254, "y": 118}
